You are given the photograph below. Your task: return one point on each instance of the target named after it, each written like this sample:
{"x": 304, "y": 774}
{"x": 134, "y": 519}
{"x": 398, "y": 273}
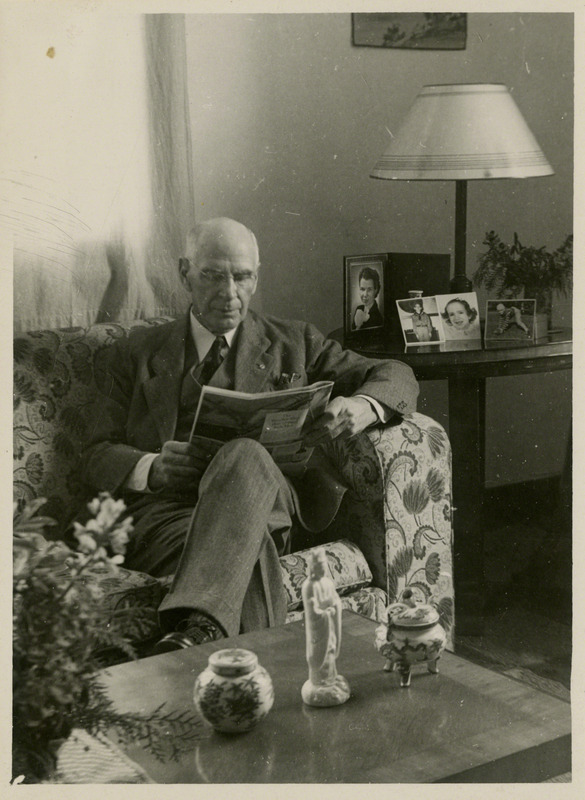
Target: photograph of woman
{"x": 460, "y": 315}
{"x": 416, "y": 319}
{"x": 367, "y": 313}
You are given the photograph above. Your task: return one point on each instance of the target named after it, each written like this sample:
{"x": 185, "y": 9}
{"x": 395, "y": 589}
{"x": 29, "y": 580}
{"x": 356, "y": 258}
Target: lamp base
{"x": 461, "y": 283}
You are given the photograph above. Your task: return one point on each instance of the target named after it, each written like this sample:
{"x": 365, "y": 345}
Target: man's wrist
{"x": 139, "y": 479}
{"x": 382, "y": 414}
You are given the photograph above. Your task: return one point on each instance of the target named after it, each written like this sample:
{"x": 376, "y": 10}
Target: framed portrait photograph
{"x": 364, "y": 297}
{"x": 420, "y": 320}
{"x": 510, "y": 320}
{"x": 460, "y": 316}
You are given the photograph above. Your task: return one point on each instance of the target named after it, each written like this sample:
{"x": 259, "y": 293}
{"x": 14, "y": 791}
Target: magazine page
{"x": 275, "y": 419}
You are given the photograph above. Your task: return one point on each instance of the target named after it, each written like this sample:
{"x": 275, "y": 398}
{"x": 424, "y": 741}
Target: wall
{"x": 288, "y": 118}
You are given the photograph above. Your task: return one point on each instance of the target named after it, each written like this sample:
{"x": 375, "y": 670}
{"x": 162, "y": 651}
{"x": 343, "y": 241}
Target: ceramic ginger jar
{"x": 234, "y": 692}
{"x": 412, "y": 636}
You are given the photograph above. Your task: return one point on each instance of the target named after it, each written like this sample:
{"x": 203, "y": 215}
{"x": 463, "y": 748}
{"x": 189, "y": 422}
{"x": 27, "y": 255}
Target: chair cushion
{"x": 347, "y": 566}
{"x": 371, "y": 602}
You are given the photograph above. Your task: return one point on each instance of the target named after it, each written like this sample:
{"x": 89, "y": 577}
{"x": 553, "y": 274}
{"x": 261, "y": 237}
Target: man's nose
{"x": 228, "y": 286}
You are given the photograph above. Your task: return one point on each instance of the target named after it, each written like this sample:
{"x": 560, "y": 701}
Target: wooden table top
{"x": 466, "y": 724}
{"x": 478, "y": 358}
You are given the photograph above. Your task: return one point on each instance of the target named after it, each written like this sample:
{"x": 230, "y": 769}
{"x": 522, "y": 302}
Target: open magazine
{"x": 277, "y": 420}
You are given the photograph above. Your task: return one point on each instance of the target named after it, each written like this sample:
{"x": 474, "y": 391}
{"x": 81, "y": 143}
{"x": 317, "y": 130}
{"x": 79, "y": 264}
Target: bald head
{"x": 220, "y": 236}
{"x": 220, "y": 272}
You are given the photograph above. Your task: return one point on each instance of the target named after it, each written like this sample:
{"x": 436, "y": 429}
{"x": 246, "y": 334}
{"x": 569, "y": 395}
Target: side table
{"x": 466, "y": 365}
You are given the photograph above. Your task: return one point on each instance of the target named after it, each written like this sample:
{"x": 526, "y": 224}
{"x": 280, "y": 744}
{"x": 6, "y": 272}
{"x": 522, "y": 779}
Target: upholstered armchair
{"x": 393, "y": 530}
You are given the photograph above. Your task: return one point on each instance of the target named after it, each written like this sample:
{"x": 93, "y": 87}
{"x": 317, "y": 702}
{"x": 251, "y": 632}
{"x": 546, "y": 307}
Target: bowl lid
{"x": 416, "y": 616}
{"x": 233, "y": 661}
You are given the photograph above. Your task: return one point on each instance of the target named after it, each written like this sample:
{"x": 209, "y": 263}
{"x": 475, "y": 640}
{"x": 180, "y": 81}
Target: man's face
{"x": 418, "y": 308}
{"x": 221, "y": 280}
{"x": 367, "y": 291}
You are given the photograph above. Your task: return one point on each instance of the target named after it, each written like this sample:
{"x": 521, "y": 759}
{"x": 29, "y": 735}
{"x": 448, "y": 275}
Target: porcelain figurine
{"x": 412, "y": 636}
{"x": 234, "y": 692}
{"x": 324, "y": 687}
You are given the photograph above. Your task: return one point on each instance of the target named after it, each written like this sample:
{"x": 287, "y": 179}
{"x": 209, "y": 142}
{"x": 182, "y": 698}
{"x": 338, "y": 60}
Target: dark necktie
{"x": 217, "y": 352}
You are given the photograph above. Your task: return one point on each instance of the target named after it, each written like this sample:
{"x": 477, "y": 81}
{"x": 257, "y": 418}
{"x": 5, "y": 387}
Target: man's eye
{"x": 213, "y": 277}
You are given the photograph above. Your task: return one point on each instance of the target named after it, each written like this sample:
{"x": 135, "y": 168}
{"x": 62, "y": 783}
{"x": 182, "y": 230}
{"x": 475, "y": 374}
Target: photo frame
{"x": 460, "y": 316}
{"x": 410, "y": 30}
{"x": 420, "y": 321}
{"x": 510, "y": 320}
{"x": 427, "y": 272}
{"x": 365, "y": 283}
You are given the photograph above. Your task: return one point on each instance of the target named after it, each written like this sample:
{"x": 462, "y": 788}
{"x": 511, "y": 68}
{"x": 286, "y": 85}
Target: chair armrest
{"x": 398, "y": 508}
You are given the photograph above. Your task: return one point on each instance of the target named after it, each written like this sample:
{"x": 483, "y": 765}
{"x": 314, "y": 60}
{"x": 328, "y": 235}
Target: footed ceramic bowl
{"x": 412, "y": 636}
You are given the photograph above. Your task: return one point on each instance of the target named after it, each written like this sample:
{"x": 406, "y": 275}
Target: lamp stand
{"x": 460, "y": 282}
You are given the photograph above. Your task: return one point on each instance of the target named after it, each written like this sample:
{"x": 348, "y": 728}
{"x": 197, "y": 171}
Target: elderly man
{"x": 219, "y": 522}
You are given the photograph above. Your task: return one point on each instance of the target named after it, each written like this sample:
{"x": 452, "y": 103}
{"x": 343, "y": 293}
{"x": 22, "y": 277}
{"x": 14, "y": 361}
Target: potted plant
{"x": 512, "y": 269}
{"x": 59, "y": 624}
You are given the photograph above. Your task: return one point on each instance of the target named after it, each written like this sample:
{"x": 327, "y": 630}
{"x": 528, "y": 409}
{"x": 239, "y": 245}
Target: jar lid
{"x": 232, "y": 662}
{"x": 416, "y": 616}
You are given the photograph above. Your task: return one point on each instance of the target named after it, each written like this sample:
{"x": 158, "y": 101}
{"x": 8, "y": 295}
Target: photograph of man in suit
{"x": 367, "y": 313}
{"x": 219, "y": 522}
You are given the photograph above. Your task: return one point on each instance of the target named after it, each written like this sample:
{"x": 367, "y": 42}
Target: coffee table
{"x": 466, "y": 724}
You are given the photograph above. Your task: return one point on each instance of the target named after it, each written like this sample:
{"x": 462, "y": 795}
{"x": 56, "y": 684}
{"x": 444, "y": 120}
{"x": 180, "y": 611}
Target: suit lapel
{"x": 252, "y": 368}
{"x": 162, "y": 391}
{"x": 253, "y": 363}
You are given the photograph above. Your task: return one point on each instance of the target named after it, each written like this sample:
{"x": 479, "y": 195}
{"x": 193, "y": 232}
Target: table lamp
{"x": 460, "y": 132}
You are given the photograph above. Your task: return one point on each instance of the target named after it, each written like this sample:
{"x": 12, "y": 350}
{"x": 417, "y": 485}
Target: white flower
{"x": 119, "y": 540}
{"x": 86, "y": 543}
{"x": 93, "y": 526}
{"x": 109, "y": 512}
{"x": 94, "y": 506}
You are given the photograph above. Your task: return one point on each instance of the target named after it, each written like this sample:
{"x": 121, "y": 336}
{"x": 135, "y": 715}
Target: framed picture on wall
{"x": 417, "y": 31}
{"x": 364, "y": 296}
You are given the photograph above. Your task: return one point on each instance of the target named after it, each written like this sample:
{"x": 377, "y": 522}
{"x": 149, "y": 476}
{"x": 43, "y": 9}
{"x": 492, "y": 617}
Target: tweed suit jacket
{"x": 140, "y": 386}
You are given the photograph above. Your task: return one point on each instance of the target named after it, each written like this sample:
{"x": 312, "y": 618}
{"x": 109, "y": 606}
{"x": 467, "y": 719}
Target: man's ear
{"x": 256, "y": 284}
{"x": 183, "y": 269}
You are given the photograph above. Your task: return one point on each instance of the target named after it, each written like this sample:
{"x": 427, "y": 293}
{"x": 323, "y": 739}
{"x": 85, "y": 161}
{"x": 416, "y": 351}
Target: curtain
{"x": 96, "y": 181}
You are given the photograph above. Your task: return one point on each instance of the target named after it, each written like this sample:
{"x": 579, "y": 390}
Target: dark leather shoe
{"x": 194, "y": 629}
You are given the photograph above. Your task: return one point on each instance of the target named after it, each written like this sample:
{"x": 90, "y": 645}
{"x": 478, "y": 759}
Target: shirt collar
{"x": 204, "y": 338}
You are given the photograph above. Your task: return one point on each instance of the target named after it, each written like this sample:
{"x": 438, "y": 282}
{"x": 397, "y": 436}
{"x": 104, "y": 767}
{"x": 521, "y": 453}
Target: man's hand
{"x": 344, "y": 416}
{"x": 180, "y": 465}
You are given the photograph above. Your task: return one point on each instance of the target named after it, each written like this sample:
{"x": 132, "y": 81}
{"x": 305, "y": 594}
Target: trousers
{"x": 224, "y": 550}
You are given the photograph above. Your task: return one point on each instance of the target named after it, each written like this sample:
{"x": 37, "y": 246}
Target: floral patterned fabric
{"x": 398, "y": 509}
{"x": 371, "y": 601}
{"x": 397, "y": 512}
{"x": 347, "y": 568}
{"x": 53, "y": 388}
